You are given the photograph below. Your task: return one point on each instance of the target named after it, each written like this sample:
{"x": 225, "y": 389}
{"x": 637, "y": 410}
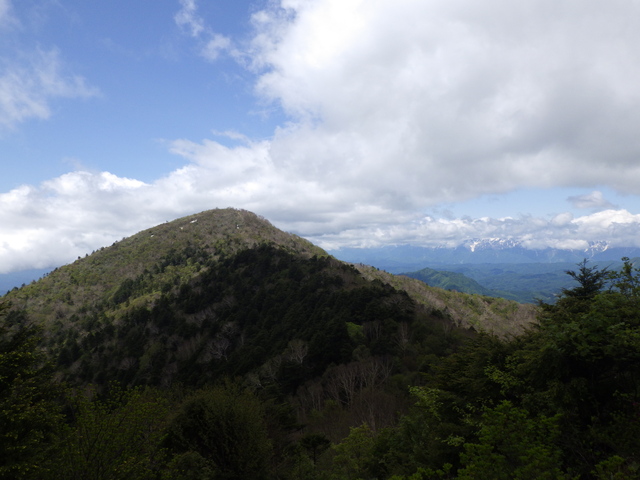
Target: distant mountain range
{"x": 406, "y": 258}
{"x": 493, "y": 267}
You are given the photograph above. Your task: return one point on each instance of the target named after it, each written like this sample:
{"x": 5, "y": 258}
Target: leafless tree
{"x": 297, "y": 350}
{"x": 271, "y": 368}
{"x": 374, "y": 372}
{"x": 219, "y": 346}
{"x": 403, "y": 336}
{"x": 127, "y": 363}
{"x": 372, "y": 330}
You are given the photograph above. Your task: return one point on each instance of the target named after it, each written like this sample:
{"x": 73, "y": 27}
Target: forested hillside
{"x": 238, "y": 351}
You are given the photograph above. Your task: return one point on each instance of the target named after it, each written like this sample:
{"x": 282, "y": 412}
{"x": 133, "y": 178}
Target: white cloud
{"x": 447, "y": 100}
{"x": 27, "y": 88}
{"x": 593, "y": 200}
{"x": 212, "y": 44}
{"x": 617, "y": 227}
{"x": 188, "y": 19}
{"x": 67, "y": 217}
{"x": 393, "y": 108}
{"x": 216, "y": 45}
{"x": 76, "y": 213}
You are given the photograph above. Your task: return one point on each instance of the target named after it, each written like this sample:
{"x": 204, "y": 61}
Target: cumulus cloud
{"x": 66, "y": 217}
{"x": 447, "y": 100}
{"x": 594, "y": 200}
{"x": 78, "y": 212}
{"x": 616, "y": 227}
{"x": 392, "y": 108}
{"x": 28, "y": 87}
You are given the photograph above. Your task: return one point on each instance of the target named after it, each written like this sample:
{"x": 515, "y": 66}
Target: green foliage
{"x": 223, "y": 430}
{"x": 29, "y": 415}
{"x": 246, "y": 310}
{"x": 113, "y": 438}
{"x": 189, "y": 466}
{"x": 315, "y": 444}
{"x": 511, "y": 445}
{"x": 591, "y": 281}
{"x": 560, "y": 401}
{"x": 320, "y": 347}
{"x": 354, "y": 456}
{"x": 616, "y": 468}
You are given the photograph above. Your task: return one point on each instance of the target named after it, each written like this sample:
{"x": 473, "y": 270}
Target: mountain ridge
{"x": 405, "y": 258}
{"x": 216, "y": 232}
{"x": 137, "y": 271}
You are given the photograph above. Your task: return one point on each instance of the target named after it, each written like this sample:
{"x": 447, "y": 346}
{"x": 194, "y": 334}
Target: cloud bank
{"x": 78, "y": 212}
{"x": 393, "y": 108}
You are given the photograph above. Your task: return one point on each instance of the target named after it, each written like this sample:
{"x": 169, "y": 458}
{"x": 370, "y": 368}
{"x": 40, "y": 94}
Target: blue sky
{"x": 349, "y": 122}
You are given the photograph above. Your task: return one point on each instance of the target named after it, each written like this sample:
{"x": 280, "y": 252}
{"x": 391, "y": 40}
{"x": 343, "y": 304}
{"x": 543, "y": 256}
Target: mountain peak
{"x": 175, "y": 247}
{"x": 478, "y": 244}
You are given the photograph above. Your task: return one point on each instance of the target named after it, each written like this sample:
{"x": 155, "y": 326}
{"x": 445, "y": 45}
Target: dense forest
{"x": 267, "y": 364}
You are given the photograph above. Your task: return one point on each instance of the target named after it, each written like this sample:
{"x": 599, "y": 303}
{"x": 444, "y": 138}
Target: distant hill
{"x": 522, "y": 282}
{"x": 492, "y": 267}
{"x": 452, "y": 281}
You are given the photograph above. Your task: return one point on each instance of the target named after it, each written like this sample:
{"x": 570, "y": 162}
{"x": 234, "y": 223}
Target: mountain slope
{"x": 173, "y": 248}
{"x": 224, "y": 308}
{"x": 224, "y": 293}
{"x": 498, "y": 316}
{"x": 450, "y": 281}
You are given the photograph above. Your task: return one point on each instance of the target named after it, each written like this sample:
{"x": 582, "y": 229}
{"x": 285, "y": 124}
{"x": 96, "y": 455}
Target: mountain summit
{"x": 224, "y": 292}
{"x": 177, "y": 244}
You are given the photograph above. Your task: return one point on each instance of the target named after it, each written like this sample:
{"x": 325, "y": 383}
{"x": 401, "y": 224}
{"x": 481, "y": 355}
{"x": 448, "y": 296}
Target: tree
{"x": 511, "y": 445}
{"x": 29, "y": 415}
{"x": 591, "y": 281}
{"x": 113, "y": 438}
{"x": 583, "y": 361}
{"x": 354, "y": 456}
{"x": 224, "y": 428}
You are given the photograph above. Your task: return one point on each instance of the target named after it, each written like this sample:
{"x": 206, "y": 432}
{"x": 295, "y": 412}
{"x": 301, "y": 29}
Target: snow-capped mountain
{"x": 403, "y": 258}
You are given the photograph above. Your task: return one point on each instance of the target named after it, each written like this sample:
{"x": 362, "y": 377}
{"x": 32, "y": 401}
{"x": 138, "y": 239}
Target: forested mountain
{"x": 218, "y": 346}
{"x": 522, "y": 282}
{"x": 451, "y": 281}
{"x": 499, "y": 267}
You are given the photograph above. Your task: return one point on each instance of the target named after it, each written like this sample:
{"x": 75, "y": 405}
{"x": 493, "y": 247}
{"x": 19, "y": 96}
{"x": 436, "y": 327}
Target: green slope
{"x": 173, "y": 250}
{"x": 450, "y": 281}
{"x": 222, "y": 293}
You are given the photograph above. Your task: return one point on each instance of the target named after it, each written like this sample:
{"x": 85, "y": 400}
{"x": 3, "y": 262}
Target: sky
{"x": 353, "y": 123}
